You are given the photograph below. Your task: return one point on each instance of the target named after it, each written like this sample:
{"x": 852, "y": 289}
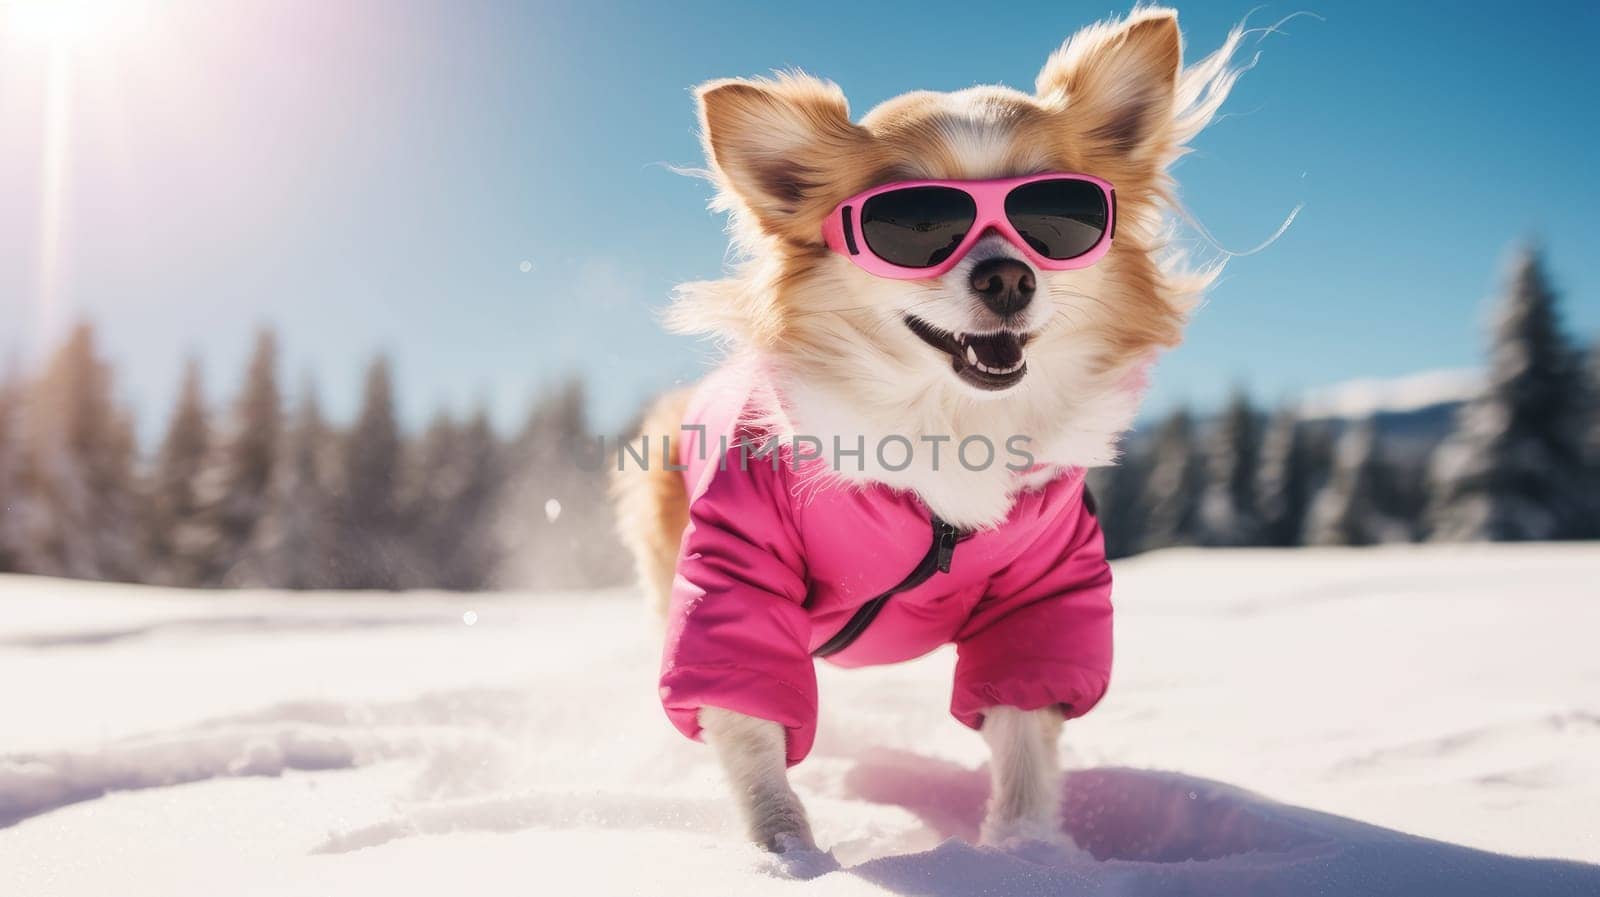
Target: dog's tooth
{"x": 972, "y": 356}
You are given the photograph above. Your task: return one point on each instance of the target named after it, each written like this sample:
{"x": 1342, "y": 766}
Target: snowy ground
{"x": 167, "y": 743}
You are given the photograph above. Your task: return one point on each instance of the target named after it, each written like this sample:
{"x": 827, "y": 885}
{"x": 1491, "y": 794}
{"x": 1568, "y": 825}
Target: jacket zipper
{"x": 937, "y": 560}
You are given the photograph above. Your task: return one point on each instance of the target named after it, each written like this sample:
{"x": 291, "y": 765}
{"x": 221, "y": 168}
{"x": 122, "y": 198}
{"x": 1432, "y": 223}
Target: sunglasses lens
{"x": 1060, "y": 219}
{"x": 917, "y": 227}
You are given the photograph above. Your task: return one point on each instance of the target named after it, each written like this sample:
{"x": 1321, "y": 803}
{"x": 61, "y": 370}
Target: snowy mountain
{"x": 1415, "y": 408}
{"x": 1407, "y": 721}
{"x": 1356, "y": 399}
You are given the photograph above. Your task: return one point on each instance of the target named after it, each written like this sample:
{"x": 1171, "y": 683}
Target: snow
{"x": 1406, "y": 720}
{"x": 1357, "y": 399}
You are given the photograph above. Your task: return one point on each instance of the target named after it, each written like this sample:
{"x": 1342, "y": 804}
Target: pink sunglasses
{"x": 911, "y": 230}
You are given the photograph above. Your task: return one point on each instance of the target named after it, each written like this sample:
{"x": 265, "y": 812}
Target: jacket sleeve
{"x": 738, "y": 636}
{"x": 1041, "y": 637}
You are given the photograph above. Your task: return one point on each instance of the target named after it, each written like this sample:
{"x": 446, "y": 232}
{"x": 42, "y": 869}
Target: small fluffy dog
{"x": 943, "y": 315}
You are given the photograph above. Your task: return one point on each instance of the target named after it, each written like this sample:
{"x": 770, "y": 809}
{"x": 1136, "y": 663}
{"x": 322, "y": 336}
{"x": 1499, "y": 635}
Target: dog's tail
{"x": 652, "y": 503}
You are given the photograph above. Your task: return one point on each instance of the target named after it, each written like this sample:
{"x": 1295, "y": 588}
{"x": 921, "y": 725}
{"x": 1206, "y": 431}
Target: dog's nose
{"x": 1005, "y": 285}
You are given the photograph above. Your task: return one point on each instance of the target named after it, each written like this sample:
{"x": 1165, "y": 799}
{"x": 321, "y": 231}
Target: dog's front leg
{"x": 1025, "y": 799}
{"x": 752, "y": 755}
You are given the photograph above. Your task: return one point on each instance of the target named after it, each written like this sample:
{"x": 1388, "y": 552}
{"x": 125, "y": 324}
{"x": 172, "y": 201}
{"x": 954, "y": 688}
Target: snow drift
{"x": 161, "y": 742}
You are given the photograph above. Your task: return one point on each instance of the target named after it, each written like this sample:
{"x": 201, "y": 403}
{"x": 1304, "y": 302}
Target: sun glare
{"x": 69, "y": 23}
{"x": 70, "y": 39}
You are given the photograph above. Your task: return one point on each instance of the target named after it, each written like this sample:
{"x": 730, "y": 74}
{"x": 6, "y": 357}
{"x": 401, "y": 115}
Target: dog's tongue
{"x": 995, "y": 350}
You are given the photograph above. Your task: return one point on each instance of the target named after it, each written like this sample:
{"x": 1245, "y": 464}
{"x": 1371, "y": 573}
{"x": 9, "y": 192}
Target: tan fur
{"x": 1116, "y": 102}
{"x": 1113, "y": 101}
{"x": 652, "y": 506}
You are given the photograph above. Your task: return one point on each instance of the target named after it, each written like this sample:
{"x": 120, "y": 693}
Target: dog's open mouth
{"x": 991, "y": 361}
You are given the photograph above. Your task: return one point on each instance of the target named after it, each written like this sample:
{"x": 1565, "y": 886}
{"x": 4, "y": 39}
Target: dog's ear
{"x": 1114, "y": 84}
{"x": 779, "y": 149}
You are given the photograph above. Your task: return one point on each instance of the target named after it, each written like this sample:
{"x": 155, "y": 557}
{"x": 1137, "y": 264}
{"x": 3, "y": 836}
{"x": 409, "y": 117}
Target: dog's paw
{"x": 795, "y": 856}
{"x": 997, "y": 832}
{"x": 1036, "y": 840}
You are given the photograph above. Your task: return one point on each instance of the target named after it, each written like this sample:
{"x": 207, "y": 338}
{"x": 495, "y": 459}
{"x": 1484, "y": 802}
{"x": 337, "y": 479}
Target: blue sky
{"x": 372, "y": 176}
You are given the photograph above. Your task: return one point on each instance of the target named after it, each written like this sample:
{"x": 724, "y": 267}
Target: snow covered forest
{"x": 266, "y": 492}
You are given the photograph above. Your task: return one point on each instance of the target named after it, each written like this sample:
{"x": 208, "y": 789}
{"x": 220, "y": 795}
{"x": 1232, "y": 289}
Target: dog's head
{"x": 1114, "y": 102}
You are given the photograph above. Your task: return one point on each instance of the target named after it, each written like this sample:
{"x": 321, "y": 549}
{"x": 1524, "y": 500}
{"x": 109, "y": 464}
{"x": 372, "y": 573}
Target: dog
{"x": 987, "y": 273}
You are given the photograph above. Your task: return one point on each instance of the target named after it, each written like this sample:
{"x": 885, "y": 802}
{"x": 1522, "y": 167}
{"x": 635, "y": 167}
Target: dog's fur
{"x": 1114, "y": 101}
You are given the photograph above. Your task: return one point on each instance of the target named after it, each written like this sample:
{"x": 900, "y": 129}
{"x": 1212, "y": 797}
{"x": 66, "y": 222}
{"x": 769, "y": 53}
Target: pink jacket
{"x": 777, "y": 567}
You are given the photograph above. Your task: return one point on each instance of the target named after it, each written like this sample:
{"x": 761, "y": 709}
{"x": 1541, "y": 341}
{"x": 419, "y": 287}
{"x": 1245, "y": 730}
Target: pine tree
{"x": 474, "y": 559}
{"x": 554, "y": 521}
{"x": 294, "y": 543}
{"x": 234, "y": 488}
{"x": 371, "y": 554}
{"x": 1229, "y": 513}
{"x": 1287, "y": 479}
{"x": 1174, "y": 485}
{"x": 77, "y": 470}
{"x": 433, "y": 477}
{"x": 173, "y": 527}
{"x": 11, "y": 507}
{"x": 1509, "y": 471}
{"x": 1591, "y": 441}
{"x": 1117, "y": 492}
{"x": 457, "y": 479}
{"x": 1352, "y": 509}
